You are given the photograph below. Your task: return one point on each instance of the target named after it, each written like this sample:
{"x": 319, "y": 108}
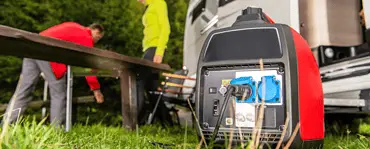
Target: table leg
{"x": 45, "y": 98}
{"x": 69, "y": 99}
{"x": 128, "y": 99}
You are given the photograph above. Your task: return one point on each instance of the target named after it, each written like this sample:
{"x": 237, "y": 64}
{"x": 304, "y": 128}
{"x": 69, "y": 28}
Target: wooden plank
{"x": 176, "y": 85}
{"x": 128, "y": 99}
{"x": 21, "y": 43}
{"x": 177, "y": 76}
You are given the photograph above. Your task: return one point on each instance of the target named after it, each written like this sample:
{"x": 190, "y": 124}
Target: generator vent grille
{"x": 244, "y": 66}
{"x": 265, "y": 137}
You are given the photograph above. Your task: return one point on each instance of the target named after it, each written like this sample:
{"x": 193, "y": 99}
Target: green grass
{"x": 347, "y": 142}
{"x": 34, "y": 135}
{"x": 365, "y": 129}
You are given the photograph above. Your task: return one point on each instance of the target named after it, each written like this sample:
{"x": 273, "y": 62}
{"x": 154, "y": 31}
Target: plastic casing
{"x": 303, "y": 95}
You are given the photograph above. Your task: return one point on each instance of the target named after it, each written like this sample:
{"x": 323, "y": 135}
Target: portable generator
{"x": 231, "y": 85}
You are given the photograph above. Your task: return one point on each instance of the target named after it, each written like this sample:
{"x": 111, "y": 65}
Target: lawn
{"x": 32, "y": 135}
{"x": 349, "y": 141}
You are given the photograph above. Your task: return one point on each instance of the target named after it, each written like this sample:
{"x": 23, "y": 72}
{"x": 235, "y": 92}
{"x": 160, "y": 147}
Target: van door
{"x": 281, "y": 11}
{"x": 229, "y": 10}
{"x": 202, "y": 20}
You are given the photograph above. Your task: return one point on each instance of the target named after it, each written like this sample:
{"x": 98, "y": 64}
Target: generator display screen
{"x": 244, "y": 44}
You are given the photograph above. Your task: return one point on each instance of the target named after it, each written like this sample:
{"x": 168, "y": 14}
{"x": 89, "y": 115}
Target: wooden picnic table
{"x": 16, "y": 42}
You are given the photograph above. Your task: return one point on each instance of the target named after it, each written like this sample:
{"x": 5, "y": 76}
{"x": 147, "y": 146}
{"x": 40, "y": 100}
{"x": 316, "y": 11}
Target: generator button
{"x": 222, "y": 90}
{"x": 213, "y": 90}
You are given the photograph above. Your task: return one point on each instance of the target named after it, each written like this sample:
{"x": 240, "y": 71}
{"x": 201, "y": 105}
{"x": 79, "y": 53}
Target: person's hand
{"x": 157, "y": 59}
{"x": 98, "y": 96}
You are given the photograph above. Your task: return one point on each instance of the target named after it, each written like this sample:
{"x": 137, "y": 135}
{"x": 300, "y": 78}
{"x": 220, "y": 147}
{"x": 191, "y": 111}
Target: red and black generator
{"x": 229, "y": 70}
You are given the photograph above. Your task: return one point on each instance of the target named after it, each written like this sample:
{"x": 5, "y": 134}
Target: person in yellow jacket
{"x": 156, "y": 29}
{"x": 156, "y": 34}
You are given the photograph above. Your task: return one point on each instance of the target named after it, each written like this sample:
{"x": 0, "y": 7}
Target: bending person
{"x": 54, "y": 73}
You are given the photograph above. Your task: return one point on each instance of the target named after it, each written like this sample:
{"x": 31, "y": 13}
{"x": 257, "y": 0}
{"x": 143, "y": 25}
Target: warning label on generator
{"x": 225, "y": 82}
{"x": 245, "y": 115}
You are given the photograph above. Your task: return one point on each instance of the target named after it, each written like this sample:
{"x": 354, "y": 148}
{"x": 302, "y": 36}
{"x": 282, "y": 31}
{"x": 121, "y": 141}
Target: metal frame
{"x": 355, "y": 83}
{"x": 128, "y": 94}
{"x": 344, "y": 65}
{"x": 166, "y": 85}
{"x": 350, "y": 82}
{"x": 68, "y": 122}
{"x": 344, "y": 102}
{"x": 45, "y": 98}
{"x": 69, "y": 99}
{"x": 347, "y": 84}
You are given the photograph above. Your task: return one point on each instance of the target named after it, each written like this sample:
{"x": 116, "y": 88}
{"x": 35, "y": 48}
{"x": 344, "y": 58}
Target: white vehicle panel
{"x": 281, "y": 11}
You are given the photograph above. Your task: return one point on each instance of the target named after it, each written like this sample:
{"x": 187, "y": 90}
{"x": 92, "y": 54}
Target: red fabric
{"x": 72, "y": 32}
{"x": 311, "y": 96}
{"x": 93, "y": 82}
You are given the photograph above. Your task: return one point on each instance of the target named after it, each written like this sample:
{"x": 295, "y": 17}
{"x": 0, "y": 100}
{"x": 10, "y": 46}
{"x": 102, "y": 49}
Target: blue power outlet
{"x": 272, "y": 90}
{"x": 250, "y": 84}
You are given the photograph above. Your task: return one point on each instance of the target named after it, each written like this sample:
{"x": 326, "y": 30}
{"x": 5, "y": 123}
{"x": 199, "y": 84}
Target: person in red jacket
{"x": 54, "y": 73}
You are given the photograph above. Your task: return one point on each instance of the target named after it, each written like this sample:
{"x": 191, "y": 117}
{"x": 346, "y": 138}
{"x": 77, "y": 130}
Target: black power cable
{"x": 235, "y": 90}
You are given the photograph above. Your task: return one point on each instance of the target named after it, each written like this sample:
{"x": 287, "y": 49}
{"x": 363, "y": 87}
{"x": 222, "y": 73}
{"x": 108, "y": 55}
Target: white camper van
{"x": 331, "y": 27}
{"x": 203, "y": 16}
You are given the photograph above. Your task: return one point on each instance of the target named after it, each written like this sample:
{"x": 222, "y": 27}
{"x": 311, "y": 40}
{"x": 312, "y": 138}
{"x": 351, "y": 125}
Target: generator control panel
{"x": 258, "y": 85}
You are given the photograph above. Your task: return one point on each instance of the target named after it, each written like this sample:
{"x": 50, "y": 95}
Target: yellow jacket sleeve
{"x": 165, "y": 29}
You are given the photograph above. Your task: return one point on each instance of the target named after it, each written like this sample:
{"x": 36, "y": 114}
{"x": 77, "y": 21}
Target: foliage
{"x": 9, "y": 74}
{"x": 121, "y": 19}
